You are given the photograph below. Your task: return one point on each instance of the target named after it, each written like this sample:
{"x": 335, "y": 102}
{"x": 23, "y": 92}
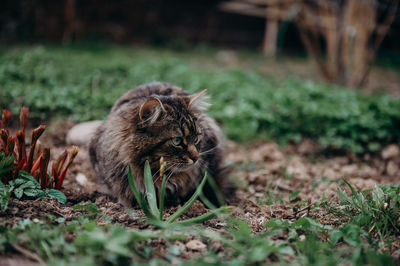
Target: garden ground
{"x": 293, "y": 203}
{"x": 274, "y": 182}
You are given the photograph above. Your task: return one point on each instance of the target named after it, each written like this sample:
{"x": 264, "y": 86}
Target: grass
{"x": 155, "y": 213}
{"x": 91, "y": 239}
{"x": 83, "y": 83}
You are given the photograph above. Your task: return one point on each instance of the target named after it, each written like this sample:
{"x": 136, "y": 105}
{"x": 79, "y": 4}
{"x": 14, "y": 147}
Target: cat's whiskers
{"x": 209, "y": 150}
{"x": 166, "y": 170}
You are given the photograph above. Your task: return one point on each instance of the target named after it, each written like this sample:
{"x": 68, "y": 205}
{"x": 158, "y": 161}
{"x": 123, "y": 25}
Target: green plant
{"x": 376, "y": 210}
{"x": 26, "y": 185}
{"x": 84, "y": 84}
{"x": 16, "y": 159}
{"x": 154, "y": 213}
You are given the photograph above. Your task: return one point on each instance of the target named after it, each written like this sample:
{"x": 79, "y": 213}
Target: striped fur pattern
{"x": 159, "y": 120}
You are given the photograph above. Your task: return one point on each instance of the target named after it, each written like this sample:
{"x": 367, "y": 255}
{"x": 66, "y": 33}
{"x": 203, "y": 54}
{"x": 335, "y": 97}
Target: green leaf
{"x": 294, "y": 195}
{"x": 201, "y": 218}
{"x": 139, "y": 196}
{"x": 135, "y": 191}
{"x": 18, "y": 192}
{"x": 150, "y": 190}
{"x": 217, "y": 192}
{"x": 31, "y": 192}
{"x": 342, "y": 196}
{"x": 28, "y": 177}
{"x": 4, "y": 197}
{"x": 335, "y": 236}
{"x": 162, "y": 196}
{"x": 277, "y": 224}
{"x": 53, "y": 193}
{"x": 6, "y": 164}
{"x": 378, "y": 196}
{"x": 189, "y": 203}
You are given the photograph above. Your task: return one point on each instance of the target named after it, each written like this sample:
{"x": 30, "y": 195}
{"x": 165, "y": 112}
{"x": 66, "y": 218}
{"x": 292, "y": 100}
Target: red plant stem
{"x": 38, "y": 176}
{"x": 23, "y": 118}
{"x": 36, "y": 165}
{"x": 21, "y": 165}
{"x": 6, "y": 118}
{"x": 74, "y": 151}
{"x": 10, "y": 146}
{"x": 57, "y": 165}
{"x": 21, "y": 146}
{"x": 35, "y": 136}
{"x": 3, "y": 138}
{"x": 44, "y": 162}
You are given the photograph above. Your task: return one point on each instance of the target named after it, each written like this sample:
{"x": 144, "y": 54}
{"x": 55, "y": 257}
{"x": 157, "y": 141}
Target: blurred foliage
{"x": 83, "y": 83}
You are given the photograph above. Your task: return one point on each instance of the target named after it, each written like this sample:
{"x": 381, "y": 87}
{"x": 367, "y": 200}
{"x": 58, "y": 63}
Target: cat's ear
{"x": 197, "y": 100}
{"x": 150, "y": 110}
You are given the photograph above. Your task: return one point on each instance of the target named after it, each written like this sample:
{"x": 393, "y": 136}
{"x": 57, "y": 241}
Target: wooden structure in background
{"x": 351, "y": 31}
{"x": 341, "y": 36}
{"x": 274, "y": 11}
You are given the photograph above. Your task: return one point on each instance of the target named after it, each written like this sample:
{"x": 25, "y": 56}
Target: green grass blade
{"x": 139, "y": 196}
{"x": 218, "y": 194}
{"x": 189, "y": 203}
{"x": 162, "y": 196}
{"x": 202, "y": 218}
{"x": 207, "y": 202}
{"x": 150, "y": 191}
{"x": 133, "y": 187}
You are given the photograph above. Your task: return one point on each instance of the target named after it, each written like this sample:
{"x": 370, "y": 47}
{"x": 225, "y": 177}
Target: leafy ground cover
{"x": 294, "y": 205}
{"x": 291, "y": 210}
{"x": 84, "y": 83}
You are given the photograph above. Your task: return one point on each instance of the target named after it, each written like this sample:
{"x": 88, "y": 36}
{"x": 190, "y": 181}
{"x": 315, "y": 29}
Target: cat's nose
{"x": 193, "y": 153}
{"x": 195, "y": 157}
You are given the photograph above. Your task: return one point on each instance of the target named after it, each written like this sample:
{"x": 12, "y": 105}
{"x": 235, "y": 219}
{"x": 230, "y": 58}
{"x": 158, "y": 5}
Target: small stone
{"x": 392, "y": 168}
{"x": 196, "y": 245}
{"x": 390, "y": 152}
{"x": 81, "y": 133}
{"x": 330, "y": 174}
{"x": 349, "y": 170}
{"x": 81, "y": 179}
{"x": 297, "y": 168}
{"x": 396, "y": 256}
{"x": 307, "y": 147}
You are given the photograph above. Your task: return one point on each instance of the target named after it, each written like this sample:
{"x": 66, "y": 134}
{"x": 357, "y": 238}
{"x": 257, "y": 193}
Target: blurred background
{"x": 342, "y": 36}
{"x": 287, "y": 70}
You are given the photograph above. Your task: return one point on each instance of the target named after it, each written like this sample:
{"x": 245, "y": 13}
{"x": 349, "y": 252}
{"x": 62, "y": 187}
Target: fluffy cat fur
{"x": 159, "y": 120}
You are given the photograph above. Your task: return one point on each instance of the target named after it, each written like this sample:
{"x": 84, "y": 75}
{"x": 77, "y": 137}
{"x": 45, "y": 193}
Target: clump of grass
{"x": 84, "y": 85}
{"x": 155, "y": 213}
{"x": 376, "y": 210}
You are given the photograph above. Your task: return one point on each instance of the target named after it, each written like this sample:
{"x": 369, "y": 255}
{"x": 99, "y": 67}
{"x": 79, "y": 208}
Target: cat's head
{"x": 171, "y": 128}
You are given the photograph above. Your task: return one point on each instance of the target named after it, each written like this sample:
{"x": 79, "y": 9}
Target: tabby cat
{"x": 159, "y": 120}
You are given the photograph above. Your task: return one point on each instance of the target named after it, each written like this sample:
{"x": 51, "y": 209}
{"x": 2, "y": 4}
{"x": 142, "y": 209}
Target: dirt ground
{"x": 266, "y": 176}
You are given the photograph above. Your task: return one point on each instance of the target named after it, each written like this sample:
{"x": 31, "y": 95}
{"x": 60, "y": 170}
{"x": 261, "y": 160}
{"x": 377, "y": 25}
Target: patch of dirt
{"x": 267, "y": 175}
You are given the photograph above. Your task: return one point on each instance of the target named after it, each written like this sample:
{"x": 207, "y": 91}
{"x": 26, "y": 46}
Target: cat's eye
{"x": 196, "y": 140}
{"x": 177, "y": 141}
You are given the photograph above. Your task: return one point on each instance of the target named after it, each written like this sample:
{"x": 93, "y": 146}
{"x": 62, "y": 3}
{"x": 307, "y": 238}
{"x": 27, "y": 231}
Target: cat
{"x": 158, "y": 120}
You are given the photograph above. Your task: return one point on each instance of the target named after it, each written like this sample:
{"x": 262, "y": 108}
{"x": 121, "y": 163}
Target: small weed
{"x": 376, "y": 210}
{"x": 155, "y": 213}
{"x": 23, "y": 173}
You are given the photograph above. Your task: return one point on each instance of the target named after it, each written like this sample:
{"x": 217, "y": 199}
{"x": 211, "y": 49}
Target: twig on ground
{"x": 28, "y": 253}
